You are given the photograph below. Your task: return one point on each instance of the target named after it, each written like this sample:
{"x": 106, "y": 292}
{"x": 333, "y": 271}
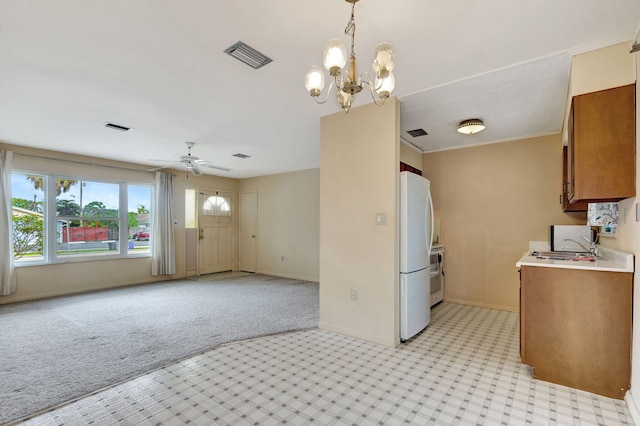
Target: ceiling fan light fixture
{"x": 471, "y": 126}
{"x": 191, "y": 162}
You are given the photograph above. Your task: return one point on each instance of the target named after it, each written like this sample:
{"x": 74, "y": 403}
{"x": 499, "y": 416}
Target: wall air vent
{"x": 241, "y": 155}
{"x": 417, "y": 132}
{"x": 117, "y": 127}
{"x": 248, "y": 55}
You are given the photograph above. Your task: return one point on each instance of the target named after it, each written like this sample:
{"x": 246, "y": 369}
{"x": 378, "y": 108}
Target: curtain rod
{"x": 84, "y": 163}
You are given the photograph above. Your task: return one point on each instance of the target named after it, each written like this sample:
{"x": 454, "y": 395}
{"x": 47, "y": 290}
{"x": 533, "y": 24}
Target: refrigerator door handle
{"x": 432, "y": 224}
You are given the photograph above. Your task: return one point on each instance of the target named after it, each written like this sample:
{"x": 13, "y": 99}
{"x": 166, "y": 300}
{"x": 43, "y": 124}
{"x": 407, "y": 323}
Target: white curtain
{"x": 162, "y": 245}
{"x": 7, "y": 274}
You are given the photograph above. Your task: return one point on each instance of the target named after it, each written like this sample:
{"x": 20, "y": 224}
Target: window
{"x": 87, "y": 216}
{"x": 28, "y": 217}
{"x": 89, "y": 219}
{"x": 139, "y": 218}
{"x": 217, "y": 205}
{"x": 190, "y": 208}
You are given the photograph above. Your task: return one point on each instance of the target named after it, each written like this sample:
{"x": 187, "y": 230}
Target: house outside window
{"x": 86, "y": 218}
{"x": 28, "y": 207}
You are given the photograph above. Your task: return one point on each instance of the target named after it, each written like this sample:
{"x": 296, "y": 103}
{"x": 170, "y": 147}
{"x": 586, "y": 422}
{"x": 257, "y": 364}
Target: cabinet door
{"x": 578, "y": 328}
{"x": 580, "y": 206}
{"x": 601, "y": 155}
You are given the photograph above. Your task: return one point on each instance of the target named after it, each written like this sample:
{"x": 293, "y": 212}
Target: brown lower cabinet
{"x": 575, "y": 327}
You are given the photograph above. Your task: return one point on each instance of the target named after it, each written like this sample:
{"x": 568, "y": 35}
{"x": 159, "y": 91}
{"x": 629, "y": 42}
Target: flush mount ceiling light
{"x": 346, "y": 82}
{"x": 471, "y": 126}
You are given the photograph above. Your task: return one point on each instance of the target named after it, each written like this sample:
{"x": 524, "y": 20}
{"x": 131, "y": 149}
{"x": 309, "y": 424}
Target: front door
{"x": 247, "y": 227}
{"x": 215, "y": 233}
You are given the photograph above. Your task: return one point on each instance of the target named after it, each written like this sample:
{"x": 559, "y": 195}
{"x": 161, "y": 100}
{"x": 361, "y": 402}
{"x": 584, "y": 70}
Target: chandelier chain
{"x": 351, "y": 27}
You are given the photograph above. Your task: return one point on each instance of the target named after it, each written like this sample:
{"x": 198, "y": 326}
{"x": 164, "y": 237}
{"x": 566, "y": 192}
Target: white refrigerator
{"x": 416, "y": 240}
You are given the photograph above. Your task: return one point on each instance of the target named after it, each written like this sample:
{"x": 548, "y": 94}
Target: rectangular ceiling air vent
{"x": 241, "y": 155}
{"x": 248, "y": 55}
{"x": 117, "y": 127}
{"x": 417, "y": 132}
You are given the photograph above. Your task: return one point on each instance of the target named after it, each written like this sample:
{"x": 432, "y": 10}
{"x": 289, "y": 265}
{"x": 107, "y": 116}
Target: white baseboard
{"x": 293, "y": 277}
{"x": 482, "y": 305}
{"x": 633, "y": 407}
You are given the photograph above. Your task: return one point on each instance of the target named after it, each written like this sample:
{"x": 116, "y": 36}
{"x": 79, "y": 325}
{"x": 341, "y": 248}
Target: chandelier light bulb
{"x": 335, "y": 56}
{"x": 385, "y": 86}
{"x": 384, "y": 59}
{"x": 314, "y": 80}
{"x": 344, "y": 99}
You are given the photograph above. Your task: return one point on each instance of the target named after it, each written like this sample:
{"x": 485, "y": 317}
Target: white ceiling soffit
{"x": 521, "y": 101}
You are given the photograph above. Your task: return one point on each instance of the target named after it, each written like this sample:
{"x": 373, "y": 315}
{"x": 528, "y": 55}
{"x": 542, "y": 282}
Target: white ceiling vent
{"x": 417, "y": 132}
{"x": 248, "y": 55}
{"x": 117, "y": 127}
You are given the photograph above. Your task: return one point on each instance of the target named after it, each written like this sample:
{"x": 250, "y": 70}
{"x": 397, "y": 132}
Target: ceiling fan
{"x": 191, "y": 162}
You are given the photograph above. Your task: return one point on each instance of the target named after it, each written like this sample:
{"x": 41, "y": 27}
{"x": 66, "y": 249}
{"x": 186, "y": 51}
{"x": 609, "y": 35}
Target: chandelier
{"x": 346, "y": 82}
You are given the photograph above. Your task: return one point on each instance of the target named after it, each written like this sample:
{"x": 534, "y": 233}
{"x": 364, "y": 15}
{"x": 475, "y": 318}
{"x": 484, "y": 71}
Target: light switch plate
{"x": 637, "y": 212}
{"x": 381, "y": 218}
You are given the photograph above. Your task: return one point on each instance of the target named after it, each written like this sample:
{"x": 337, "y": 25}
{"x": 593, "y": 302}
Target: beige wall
{"x": 39, "y": 281}
{"x": 288, "y": 223}
{"x": 492, "y": 200}
{"x": 602, "y": 69}
{"x": 359, "y": 156}
{"x": 410, "y": 155}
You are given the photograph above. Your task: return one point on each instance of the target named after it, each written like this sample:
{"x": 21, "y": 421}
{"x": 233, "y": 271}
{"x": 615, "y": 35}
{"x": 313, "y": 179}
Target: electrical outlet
{"x": 354, "y": 295}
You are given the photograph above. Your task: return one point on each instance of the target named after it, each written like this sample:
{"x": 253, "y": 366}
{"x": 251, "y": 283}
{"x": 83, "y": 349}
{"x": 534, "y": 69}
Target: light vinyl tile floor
{"x": 463, "y": 369}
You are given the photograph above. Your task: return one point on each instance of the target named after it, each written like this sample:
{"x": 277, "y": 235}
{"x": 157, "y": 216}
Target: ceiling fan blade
{"x": 212, "y": 166}
{"x": 195, "y": 170}
{"x": 155, "y": 169}
{"x": 155, "y": 160}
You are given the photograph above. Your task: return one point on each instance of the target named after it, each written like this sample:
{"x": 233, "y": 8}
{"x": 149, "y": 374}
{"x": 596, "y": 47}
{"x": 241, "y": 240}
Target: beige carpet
{"x": 55, "y": 350}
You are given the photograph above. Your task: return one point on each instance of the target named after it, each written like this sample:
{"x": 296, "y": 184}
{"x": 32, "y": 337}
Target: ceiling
{"x": 69, "y": 66}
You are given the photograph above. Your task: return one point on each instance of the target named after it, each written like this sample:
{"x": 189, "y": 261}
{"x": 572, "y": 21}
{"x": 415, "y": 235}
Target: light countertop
{"x": 611, "y": 261}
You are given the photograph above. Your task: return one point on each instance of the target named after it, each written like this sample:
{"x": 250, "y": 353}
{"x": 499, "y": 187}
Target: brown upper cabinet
{"x": 579, "y": 206}
{"x": 601, "y": 146}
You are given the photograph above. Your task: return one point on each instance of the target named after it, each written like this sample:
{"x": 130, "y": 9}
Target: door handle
{"x": 201, "y": 234}
{"x": 253, "y": 236}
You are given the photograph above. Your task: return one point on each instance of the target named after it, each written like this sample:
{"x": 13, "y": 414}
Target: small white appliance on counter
{"x": 569, "y": 237}
{"x": 437, "y": 274}
{"x": 416, "y": 239}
